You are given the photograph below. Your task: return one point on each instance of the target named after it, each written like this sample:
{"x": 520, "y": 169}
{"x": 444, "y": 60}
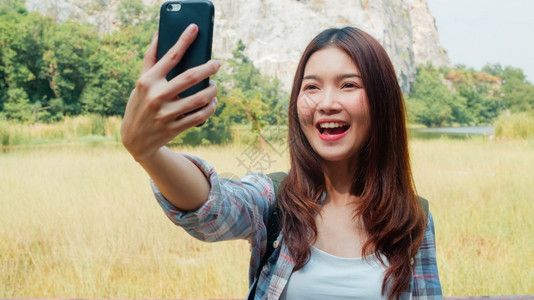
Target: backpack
{"x": 274, "y": 220}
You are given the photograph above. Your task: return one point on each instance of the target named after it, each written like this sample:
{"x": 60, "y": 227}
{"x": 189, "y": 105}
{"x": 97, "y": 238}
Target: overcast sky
{"x": 476, "y": 32}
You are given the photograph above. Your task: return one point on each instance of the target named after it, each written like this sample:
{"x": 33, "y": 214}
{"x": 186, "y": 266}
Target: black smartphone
{"x": 174, "y": 18}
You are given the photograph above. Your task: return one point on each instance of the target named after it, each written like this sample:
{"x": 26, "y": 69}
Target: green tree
{"x": 46, "y": 60}
{"x": 518, "y": 92}
{"x": 67, "y": 50}
{"x": 20, "y": 53}
{"x": 18, "y": 106}
{"x": 461, "y": 96}
{"x": 113, "y": 69}
{"x": 432, "y": 101}
{"x": 13, "y": 7}
{"x": 110, "y": 77}
{"x": 480, "y": 90}
{"x": 250, "y": 96}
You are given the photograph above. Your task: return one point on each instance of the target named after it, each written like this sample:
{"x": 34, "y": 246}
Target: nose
{"x": 328, "y": 102}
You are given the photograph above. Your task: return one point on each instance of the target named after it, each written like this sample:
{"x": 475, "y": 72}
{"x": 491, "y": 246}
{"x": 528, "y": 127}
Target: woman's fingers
{"x": 191, "y": 77}
{"x": 150, "y": 54}
{"x": 196, "y": 118}
{"x": 173, "y": 56}
{"x": 161, "y": 97}
{"x": 173, "y": 110}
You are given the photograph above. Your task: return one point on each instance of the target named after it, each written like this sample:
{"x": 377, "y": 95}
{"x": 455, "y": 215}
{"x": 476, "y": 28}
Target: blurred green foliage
{"x": 51, "y": 70}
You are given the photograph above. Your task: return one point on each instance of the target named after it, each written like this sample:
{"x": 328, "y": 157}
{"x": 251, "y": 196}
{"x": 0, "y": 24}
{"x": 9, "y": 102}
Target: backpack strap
{"x": 424, "y": 204}
{"x": 277, "y": 178}
{"x": 272, "y": 227}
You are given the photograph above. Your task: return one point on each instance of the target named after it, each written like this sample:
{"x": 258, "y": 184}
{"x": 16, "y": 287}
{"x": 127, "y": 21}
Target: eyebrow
{"x": 337, "y": 77}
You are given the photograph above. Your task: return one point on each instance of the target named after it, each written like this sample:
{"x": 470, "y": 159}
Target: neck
{"x": 338, "y": 181}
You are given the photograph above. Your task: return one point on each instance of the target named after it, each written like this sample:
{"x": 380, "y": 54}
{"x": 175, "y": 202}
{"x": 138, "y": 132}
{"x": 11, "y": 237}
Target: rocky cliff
{"x": 276, "y": 32}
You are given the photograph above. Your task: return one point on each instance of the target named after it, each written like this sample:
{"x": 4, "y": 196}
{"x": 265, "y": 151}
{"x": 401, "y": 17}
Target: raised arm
{"x": 155, "y": 115}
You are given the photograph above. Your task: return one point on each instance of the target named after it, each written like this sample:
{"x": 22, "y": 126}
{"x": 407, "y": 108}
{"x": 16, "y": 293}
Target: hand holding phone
{"x": 159, "y": 109}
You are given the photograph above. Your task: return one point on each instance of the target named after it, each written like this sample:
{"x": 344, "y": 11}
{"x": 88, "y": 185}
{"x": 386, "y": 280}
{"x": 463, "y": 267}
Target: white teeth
{"x": 331, "y": 124}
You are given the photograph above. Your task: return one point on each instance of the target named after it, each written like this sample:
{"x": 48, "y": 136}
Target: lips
{"x": 332, "y": 130}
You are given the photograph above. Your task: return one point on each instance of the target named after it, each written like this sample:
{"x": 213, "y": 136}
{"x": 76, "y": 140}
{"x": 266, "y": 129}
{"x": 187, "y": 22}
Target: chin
{"x": 334, "y": 157}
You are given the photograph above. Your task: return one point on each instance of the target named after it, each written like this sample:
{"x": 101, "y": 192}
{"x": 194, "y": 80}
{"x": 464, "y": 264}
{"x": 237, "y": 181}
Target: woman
{"x": 351, "y": 223}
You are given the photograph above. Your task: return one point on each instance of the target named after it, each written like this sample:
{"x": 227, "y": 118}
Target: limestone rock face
{"x": 426, "y": 44}
{"x": 276, "y": 32}
{"x": 101, "y": 13}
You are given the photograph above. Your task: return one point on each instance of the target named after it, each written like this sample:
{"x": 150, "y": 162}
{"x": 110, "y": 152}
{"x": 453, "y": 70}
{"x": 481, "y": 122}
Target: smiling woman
{"x": 350, "y": 192}
{"x": 348, "y": 203}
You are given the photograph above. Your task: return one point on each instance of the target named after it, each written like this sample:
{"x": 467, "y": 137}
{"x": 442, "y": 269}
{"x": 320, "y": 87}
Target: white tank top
{"x": 326, "y": 276}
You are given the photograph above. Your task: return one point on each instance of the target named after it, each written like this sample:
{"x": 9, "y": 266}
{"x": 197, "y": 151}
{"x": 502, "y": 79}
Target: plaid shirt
{"x": 240, "y": 210}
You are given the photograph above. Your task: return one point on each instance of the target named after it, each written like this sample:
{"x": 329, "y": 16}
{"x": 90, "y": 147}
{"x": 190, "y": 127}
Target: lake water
{"x": 452, "y": 132}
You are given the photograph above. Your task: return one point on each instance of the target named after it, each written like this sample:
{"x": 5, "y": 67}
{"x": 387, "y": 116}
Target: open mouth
{"x": 332, "y": 128}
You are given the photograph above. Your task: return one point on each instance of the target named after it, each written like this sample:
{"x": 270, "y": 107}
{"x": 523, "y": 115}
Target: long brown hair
{"x": 389, "y": 209}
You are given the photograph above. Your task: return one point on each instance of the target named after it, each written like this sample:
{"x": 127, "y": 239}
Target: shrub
{"x": 515, "y": 126}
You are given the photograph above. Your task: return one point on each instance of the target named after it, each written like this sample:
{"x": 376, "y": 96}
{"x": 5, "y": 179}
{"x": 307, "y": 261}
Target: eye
{"x": 350, "y": 85}
{"x": 309, "y": 87}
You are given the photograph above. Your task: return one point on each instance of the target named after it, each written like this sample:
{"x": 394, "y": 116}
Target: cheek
{"x": 305, "y": 110}
{"x": 360, "y": 108}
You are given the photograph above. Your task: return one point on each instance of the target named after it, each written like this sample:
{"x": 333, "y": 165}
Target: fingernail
{"x": 218, "y": 63}
{"x": 215, "y": 100}
{"x": 192, "y": 28}
{"x": 212, "y": 82}
{"x": 155, "y": 35}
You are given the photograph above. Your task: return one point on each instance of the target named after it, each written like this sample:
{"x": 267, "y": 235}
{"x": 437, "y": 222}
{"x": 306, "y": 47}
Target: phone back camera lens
{"x": 173, "y": 7}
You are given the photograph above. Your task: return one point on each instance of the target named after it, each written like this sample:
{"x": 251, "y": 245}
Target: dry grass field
{"x": 80, "y": 221}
